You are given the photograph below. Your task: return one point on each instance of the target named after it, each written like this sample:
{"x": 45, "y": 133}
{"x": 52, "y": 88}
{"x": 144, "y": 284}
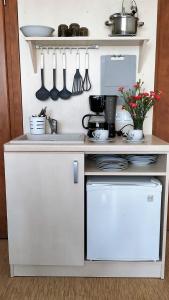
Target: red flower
{"x": 152, "y": 94}
{"x": 136, "y": 85}
{"x": 145, "y": 94}
{"x": 157, "y": 97}
{"x": 133, "y": 105}
{"x": 137, "y": 97}
{"x": 121, "y": 89}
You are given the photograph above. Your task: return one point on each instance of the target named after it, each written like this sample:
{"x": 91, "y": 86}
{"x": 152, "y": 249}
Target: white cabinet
{"x": 45, "y": 206}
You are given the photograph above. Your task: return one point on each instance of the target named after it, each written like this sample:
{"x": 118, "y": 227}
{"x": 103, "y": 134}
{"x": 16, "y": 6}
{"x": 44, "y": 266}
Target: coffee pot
{"x": 110, "y": 113}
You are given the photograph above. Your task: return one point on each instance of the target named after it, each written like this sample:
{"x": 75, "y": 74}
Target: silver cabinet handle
{"x": 75, "y": 171}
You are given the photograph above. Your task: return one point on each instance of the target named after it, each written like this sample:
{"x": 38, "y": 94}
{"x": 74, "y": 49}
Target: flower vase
{"x": 135, "y": 134}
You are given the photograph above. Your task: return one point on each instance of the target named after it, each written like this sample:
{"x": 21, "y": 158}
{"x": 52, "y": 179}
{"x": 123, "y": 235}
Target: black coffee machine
{"x": 104, "y": 117}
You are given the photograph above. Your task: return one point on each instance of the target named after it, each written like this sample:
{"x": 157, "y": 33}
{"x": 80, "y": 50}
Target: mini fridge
{"x": 123, "y": 218}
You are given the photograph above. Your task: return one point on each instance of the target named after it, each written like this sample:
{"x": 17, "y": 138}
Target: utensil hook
{"x": 41, "y": 50}
{"x": 87, "y": 50}
{"x": 47, "y": 48}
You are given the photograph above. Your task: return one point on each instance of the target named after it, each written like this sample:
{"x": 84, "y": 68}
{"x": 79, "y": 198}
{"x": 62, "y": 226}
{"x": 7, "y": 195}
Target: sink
{"x": 65, "y": 138}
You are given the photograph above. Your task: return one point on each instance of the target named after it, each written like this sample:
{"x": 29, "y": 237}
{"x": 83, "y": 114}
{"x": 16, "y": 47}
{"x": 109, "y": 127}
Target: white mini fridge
{"x": 123, "y": 218}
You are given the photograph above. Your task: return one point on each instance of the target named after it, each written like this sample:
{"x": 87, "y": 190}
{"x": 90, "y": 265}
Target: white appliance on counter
{"x": 123, "y": 218}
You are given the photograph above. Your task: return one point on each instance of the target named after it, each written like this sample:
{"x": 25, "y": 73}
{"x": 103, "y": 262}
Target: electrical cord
{"x": 120, "y": 132}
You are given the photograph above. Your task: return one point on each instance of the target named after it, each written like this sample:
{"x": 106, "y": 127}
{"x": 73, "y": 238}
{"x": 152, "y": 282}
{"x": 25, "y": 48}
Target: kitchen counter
{"x": 46, "y": 185}
{"x": 151, "y": 144}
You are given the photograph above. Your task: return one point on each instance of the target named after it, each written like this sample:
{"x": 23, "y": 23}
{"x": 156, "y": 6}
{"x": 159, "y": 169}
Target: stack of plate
{"x": 142, "y": 159}
{"x": 111, "y": 163}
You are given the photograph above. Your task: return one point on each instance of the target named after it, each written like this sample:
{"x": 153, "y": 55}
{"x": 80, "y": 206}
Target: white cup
{"x": 135, "y": 134}
{"x": 100, "y": 134}
{"x": 37, "y": 125}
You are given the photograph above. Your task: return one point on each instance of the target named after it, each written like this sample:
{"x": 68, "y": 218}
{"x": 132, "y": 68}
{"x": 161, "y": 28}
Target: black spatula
{"x": 54, "y": 93}
{"x": 64, "y": 93}
{"x": 42, "y": 94}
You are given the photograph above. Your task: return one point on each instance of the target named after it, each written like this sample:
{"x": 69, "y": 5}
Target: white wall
{"x": 91, "y": 14}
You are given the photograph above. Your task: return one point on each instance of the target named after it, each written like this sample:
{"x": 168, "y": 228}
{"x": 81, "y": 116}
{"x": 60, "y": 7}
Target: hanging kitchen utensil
{"x": 64, "y": 93}
{"x": 86, "y": 81}
{"x": 54, "y": 93}
{"x": 77, "y": 87}
{"x": 42, "y": 94}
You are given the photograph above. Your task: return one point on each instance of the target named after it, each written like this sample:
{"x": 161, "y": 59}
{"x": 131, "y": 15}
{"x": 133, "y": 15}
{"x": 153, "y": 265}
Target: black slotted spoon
{"x": 54, "y": 93}
{"x": 42, "y": 94}
{"x": 86, "y": 81}
{"x": 64, "y": 93}
{"x": 77, "y": 88}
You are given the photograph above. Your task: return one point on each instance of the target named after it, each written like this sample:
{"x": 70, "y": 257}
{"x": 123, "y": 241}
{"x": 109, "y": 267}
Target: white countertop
{"x": 150, "y": 144}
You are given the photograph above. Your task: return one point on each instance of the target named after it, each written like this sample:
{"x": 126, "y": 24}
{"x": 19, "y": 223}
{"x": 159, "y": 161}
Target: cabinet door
{"x": 45, "y": 207}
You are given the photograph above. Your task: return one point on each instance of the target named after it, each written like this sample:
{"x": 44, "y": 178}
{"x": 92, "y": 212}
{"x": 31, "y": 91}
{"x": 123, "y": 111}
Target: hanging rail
{"x": 33, "y": 49}
{"x": 67, "y": 47}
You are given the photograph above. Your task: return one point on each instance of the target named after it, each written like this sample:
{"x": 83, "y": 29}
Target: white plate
{"x": 151, "y": 156}
{"x": 140, "y": 159}
{"x": 113, "y": 168}
{"x": 140, "y": 163}
{"x": 110, "y": 159}
{"x": 100, "y": 141}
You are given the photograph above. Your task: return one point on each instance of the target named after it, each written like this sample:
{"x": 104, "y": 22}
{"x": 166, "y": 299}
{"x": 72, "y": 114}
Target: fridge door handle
{"x": 75, "y": 171}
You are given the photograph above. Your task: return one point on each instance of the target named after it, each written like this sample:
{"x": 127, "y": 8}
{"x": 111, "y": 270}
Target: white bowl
{"x": 37, "y": 30}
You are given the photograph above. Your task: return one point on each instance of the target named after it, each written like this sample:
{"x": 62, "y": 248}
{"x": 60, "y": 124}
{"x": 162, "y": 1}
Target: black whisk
{"x": 86, "y": 81}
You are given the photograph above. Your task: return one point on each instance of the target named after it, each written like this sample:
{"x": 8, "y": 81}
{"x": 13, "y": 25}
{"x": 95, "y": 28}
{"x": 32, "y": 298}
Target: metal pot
{"x": 124, "y": 24}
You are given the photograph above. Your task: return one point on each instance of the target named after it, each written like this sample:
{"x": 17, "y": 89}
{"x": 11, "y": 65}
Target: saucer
{"x": 133, "y": 141}
{"x": 100, "y": 141}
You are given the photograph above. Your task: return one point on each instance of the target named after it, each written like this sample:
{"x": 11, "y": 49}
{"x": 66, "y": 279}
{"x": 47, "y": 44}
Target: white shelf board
{"x": 87, "y": 41}
{"x": 35, "y": 42}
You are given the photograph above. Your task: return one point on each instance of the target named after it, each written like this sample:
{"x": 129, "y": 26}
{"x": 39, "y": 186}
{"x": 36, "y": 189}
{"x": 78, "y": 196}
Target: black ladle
{"x": 54, "y": 93}
{"x": 64, "y": 93}
{"x": 42, "y": 94}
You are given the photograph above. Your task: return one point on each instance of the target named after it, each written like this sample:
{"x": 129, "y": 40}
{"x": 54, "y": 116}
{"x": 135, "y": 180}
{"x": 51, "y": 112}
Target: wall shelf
{"x": 73, "y": 42}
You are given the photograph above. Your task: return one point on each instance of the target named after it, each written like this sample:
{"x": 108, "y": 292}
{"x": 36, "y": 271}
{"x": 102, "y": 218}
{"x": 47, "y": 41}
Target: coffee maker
{"x": 104, "y": 108}
{"x": 97, "y": 120}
